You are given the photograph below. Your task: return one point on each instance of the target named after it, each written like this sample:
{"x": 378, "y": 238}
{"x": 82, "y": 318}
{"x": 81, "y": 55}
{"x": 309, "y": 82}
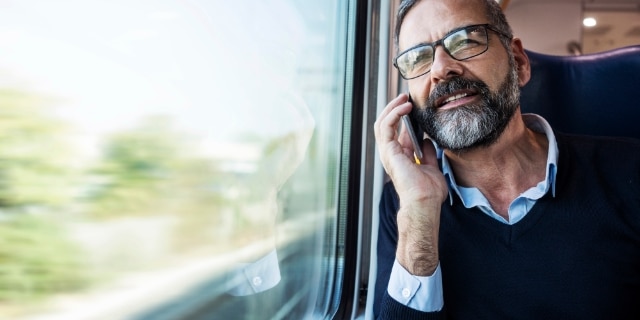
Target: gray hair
{"x": 492, "y": 10}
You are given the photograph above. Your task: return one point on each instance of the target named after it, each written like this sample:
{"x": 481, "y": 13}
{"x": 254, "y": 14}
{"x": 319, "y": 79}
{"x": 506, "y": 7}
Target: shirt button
{"x": 406, "y": 292}
{"x": 257, "y": 281}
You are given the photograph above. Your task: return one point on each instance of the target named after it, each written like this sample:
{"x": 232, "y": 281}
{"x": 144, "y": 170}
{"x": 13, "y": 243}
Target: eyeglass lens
{"x": 460, "y": 45}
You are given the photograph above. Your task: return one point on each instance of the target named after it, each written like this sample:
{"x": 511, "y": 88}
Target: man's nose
{"x": 444, "y": 66}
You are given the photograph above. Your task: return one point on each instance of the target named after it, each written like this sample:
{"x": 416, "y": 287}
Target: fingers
{"x": 386, "y": 126}
{"x": 397, "y": 101}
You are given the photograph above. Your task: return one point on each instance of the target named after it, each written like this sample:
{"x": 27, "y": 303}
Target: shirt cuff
{"x": 251, "y": 278}
{"x": 419, "y": 293}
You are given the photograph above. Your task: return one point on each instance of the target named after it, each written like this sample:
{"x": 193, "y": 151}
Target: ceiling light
{"x": 589, "y": 22}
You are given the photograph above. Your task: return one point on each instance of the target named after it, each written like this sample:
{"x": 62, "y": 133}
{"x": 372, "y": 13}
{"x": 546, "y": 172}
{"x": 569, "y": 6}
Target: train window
{"x": 173, "y": 159}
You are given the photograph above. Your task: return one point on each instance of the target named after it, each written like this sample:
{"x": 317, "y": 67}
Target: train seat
{"x": 594, "y": 94}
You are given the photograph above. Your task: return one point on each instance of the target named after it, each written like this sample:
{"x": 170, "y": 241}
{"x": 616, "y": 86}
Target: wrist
{"x": 418, "y": 231}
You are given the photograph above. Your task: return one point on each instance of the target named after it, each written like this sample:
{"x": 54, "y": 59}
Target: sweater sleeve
{"x": 391, "y": 309}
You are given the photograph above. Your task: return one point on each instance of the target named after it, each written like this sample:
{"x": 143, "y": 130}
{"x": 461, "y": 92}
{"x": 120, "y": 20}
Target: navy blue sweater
{"x": 573, "y": 256}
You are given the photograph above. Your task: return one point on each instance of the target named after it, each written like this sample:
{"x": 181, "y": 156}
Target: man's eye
{"x": 462, "y": 44}
{"x": 419, "y": 57}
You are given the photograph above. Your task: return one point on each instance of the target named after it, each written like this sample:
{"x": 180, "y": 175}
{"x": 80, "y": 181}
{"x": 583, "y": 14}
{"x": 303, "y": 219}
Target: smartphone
{"x": 415, "y": 133}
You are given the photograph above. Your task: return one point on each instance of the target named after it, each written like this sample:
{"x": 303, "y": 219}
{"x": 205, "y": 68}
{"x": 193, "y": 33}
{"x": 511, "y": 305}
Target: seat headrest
{"x": 596, "y": 94}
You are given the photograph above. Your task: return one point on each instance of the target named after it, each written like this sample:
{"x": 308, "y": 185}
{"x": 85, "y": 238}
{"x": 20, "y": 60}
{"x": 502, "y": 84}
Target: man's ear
{"x": 522, "y": 62}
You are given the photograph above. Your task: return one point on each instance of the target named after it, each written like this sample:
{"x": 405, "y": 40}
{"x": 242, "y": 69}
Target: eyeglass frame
{"x": 441, "y": 43}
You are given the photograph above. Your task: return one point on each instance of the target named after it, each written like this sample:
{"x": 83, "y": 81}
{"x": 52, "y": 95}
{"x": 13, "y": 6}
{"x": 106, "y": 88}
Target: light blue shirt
{"x": 425, "y": 293}
{"x": 252, "y": 278}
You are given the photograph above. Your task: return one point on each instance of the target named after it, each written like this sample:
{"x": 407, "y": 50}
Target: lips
{"x": 455, "y": 92}
{"x": 453, "y": 97}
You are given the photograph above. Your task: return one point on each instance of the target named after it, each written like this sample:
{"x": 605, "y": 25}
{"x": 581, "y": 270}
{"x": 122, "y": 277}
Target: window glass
{"x": 169, "y": 159}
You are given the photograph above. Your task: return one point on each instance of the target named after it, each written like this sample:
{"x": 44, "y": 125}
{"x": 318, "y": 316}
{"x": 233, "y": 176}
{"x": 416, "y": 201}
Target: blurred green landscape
{"x": 146, "y": 199}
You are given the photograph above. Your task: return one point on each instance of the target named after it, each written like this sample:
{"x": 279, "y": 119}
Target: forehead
{"x": 430, "y": 20}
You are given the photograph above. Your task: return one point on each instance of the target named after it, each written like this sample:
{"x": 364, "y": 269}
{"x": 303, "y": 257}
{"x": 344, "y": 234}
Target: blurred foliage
{"x": 150, "y": 169}
{"x": 33, "y": 158}
{"x": 37, "y": 259}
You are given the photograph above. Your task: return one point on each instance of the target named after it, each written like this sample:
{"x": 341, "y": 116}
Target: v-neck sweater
{"x": 573, "y": 256}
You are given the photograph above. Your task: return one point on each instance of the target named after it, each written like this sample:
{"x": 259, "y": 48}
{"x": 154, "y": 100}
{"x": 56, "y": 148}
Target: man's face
{"x": 460, "y": 104}
{"x": 471, "y": 125}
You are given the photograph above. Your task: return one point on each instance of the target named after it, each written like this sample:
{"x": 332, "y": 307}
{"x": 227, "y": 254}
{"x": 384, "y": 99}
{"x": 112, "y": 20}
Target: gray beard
{"x": 470, "y": 126}
{"x": 463, "y": 127}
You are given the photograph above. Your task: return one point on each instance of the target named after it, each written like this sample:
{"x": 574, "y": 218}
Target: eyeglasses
{"x": 461, "y": 44}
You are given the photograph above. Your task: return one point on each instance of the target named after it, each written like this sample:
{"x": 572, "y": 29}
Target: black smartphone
{"x": 415, "y": 132}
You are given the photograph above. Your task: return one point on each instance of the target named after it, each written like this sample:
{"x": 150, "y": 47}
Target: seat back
{"x": 594, "y": 94}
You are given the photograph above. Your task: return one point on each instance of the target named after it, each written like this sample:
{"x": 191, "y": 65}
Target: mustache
{"x": 452, "y": 85}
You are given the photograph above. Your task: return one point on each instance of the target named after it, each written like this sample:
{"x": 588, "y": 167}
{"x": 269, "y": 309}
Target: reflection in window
{"x": 157, "y": 153}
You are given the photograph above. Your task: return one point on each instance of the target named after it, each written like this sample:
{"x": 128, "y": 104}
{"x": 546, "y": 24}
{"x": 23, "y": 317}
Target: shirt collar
{"x": 533, "y": 122}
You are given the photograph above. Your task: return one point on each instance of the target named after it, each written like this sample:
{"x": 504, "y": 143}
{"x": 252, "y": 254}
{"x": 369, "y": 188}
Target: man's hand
{"x": 422, "y": 189}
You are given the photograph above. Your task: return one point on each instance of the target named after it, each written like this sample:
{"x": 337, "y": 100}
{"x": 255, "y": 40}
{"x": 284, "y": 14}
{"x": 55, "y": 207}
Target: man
{"x": 504, "y": 218}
